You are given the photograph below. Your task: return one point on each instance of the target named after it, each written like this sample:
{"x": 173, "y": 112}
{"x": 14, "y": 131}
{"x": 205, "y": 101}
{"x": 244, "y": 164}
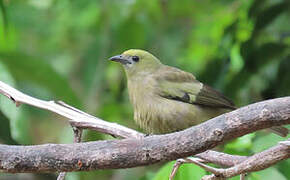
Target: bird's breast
{"x": 159, "y": 115}
{"x": 156, "y": 114}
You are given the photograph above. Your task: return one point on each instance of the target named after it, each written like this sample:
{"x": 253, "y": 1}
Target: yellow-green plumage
{"x": 157, "y": 107}
{"x": 166, "y": 99}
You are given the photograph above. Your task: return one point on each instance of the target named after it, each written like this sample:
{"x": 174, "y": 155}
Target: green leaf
{"x": 266, "y": 141}
{"x": 22, "y": 66}
{"x": 134, "y": 28}
{"x": 148, "y": 176}
{"x": 257, "y": 59}
{"x": 73, "y": 176}
{"x": 269, "y": 15}
{"x": 5, "y": 135}
{"x": 235, "y": 178}
{"x": 281, "y": 84}
{"x": 4, "y": 14}
{"x": 256, "y": 8}
{"x": 8, "y": 34}
{"x": 186, "y": 171}
{"x": 19, "y": 124}
{"x": 283, "y": 167}
{"x": 267, "y": 174}
{"x": 264, "y": 54}
{"x": 237, "y": 61}
{"x": 242, "y": 143}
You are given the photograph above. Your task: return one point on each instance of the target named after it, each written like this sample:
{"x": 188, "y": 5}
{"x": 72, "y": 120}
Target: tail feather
{"x": 279, "y": 130}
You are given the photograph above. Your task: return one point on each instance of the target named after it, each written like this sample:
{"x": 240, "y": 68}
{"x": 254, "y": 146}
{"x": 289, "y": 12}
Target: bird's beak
{"x": 121, "y": 59}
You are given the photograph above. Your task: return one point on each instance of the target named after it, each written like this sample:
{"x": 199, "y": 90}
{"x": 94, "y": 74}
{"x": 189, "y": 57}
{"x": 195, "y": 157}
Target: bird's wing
{"x": 178, "y": 85}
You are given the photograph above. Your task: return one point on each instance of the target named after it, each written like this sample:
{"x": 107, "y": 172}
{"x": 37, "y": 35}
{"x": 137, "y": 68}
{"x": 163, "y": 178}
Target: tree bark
{"x": 134, "y": 152}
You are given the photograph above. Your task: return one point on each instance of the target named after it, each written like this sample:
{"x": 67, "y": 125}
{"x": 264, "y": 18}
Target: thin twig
{"x": 285, "y": 143}
{"x": 242, "y": 176}
{"x": 77, "y": 134}
{"x": 256, "y": 162}
{"x": 77, "y": 117}
{"x": 209, "y": 156}
{"x": 179, "y": 162}
{"x": 175, "y": 168}
{"x": 77, "y": 138}
{"x": 61, "y": 176}
{"x": 221, "y": 159}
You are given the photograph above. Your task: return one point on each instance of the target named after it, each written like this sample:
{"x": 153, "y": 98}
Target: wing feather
{"x": 182, "y": 86}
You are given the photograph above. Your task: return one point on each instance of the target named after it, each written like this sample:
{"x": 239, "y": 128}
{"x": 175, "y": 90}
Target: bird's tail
{"x": 279, "y": 130}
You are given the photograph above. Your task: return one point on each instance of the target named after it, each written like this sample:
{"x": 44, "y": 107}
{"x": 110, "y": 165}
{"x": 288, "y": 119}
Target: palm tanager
{"x": 167, "y": 99}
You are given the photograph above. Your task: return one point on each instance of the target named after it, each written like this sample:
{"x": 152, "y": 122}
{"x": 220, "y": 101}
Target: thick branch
{"x": 137, "y": 152}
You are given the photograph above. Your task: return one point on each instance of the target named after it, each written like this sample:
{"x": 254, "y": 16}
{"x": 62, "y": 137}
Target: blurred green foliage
{"x": 59, "y": 49}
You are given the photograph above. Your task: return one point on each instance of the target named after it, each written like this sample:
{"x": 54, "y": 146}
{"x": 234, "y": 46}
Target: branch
{"x": 220, "y": 158}
{"x": 256, "y": 162}
{"x": 240, "y": 165}
{"x": 134, "y": 151}
{"x": 77, "y": 138}
{"x": 77, "y": 117}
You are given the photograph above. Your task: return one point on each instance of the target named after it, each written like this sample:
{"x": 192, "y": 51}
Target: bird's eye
{"x": 135, "y": 58}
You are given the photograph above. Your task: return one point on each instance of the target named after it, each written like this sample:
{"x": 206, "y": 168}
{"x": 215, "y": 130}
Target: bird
{"x": 166, "y": 99}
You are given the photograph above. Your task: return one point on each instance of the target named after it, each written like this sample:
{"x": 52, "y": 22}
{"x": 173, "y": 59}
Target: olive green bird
{"x": 167, "y": 99}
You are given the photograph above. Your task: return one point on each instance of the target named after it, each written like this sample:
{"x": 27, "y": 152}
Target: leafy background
{"x": 59, "y": 49}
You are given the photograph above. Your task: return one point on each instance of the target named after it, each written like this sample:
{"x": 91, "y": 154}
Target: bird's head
{"x": 137, "y": 61}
